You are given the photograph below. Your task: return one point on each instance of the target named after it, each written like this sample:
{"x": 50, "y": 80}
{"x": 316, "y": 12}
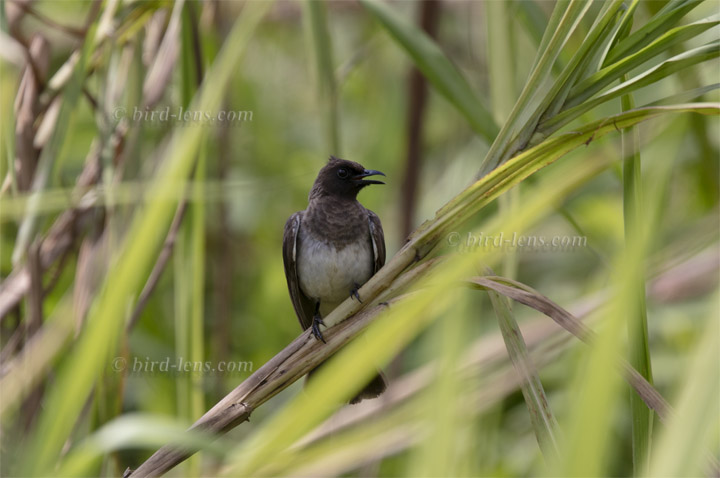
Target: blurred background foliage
{"x": 320, "y": 79}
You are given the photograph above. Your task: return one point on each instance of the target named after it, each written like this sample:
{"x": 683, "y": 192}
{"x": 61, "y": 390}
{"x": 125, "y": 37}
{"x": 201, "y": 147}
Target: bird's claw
{"x": 317, "y": 322}
{"x": 355, "y": 294}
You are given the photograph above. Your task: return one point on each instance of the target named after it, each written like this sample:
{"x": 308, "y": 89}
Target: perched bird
{"x": 332, "y": 248}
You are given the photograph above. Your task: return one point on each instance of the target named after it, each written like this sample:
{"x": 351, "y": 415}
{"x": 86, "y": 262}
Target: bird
{"x": 332, "y": 248}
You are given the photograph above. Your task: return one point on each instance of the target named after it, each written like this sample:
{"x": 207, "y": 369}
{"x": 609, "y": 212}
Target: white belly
{"x": 328, "y": 275}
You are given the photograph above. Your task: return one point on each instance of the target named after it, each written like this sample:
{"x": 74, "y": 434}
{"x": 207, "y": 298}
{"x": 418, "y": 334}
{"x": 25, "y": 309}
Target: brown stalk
{"x": 429, "y": 19}
{"x": 14, "y": 13}
{"x": 27, "y": 108}
{"x": 160, "y": 72}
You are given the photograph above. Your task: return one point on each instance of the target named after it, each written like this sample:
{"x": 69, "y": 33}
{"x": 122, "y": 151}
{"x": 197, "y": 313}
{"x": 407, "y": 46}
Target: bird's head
{"x": 343, "y": 179}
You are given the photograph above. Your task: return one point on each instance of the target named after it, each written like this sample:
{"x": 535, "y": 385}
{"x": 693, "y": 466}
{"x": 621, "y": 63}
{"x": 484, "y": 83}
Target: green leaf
{"x": 550, "y": 28}
{"x": 317, "y": 25}
{"x": 436, "y": 67}
{"x": 591, "y": 47}
{"x": 550, "y": 48}
{"x": 624, "y": 28}
{"x": 189, "y": 255}
{"x": 594, "y": 83}
{"x": 685, "y": 96}
{"x": 667, "y": 68}
{"x": 133, "y": 431}
{"x": 535, "y": 21}
{"x": 639, "y": 348}
{"x": 501, "y": 58}
{"x": 660, "y": 23}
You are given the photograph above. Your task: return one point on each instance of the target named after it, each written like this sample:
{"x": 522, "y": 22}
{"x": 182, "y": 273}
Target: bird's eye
{"x": 342, "y": 173}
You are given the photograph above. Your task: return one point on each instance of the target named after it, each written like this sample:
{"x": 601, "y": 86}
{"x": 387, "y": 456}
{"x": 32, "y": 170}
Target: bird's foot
{"x": 354, "y": 292}
{"x": 316, "y": 323}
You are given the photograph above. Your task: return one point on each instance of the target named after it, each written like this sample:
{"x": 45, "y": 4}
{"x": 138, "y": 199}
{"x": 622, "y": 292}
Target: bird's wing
{"x": 303, "y": 306}
{"x": 378, "y": 241}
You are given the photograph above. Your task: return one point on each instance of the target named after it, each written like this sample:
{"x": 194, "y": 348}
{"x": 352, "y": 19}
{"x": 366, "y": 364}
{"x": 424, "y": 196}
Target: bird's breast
{"x": 328, "y": 273}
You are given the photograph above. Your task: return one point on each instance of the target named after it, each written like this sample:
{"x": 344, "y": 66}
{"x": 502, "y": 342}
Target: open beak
{"x": 365, "y": 174}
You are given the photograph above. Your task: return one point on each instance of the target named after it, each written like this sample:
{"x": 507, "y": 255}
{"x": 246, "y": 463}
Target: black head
{"x": 342, "y": 178}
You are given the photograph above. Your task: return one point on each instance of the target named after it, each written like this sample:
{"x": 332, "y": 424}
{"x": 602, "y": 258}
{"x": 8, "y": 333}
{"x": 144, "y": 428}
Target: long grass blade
{"x": 531, "y": 15}
{"x": 644, "y": 35}
{"x": 549, "y": 29}
{"x": 685, "y": 96}
{"x": 570, "y": 17}
{"x": 667, "y": 68}
{"x": 542, "y": 419}
{"x": 624, "y": 28}
{"x": 317, "y": 24}
{"x": 593, "y": 45}
{"x": 501, "y": 57}
{"x": 190, "y": 270}
{"x": 597, "y": 82}
{"x": 437, "y": 68}
{"x": 196, "y": 352}
{"x": 639, "y": 347}
{"x": 500, "y": 52}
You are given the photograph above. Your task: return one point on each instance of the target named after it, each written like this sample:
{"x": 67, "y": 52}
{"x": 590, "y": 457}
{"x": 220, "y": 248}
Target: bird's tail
{"x": 373, "y": 389}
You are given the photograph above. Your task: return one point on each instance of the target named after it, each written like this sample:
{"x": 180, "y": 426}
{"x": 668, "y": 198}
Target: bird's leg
{"x": 354, "y": 292}
{"x": 316, "y": 323}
